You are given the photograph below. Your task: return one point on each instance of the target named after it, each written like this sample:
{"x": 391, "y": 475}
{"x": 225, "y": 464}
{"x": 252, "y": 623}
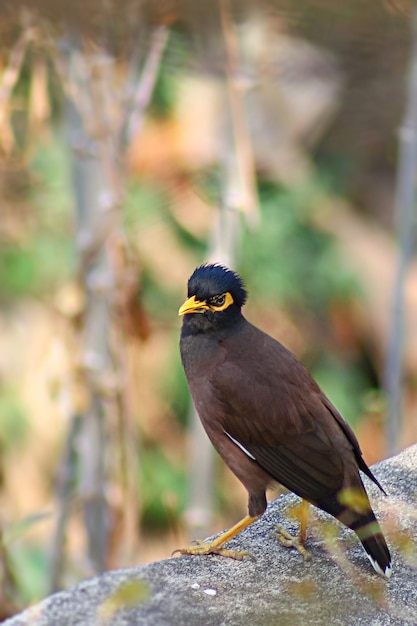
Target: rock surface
{"x": 337, "y": 587}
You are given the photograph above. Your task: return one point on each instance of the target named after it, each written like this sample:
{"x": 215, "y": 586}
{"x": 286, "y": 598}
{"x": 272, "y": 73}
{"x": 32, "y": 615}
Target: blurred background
{"x": 138, "y": 140}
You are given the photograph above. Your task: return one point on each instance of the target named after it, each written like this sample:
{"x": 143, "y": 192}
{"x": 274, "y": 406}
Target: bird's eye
{"x": 218, "y": 300}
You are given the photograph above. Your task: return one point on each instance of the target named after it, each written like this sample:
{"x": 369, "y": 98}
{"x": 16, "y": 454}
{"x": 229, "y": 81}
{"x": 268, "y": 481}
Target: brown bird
{"x": 267, "y": 417}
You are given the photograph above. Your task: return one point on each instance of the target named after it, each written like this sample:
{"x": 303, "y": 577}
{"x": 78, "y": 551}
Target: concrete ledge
{"x": 337, "y": 587}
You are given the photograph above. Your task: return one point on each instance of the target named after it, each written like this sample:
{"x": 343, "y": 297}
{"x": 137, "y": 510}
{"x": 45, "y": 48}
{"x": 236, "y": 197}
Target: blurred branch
{"x": 125, "y": 535}
{"x": 138, "y": 98}
{"x": 11, "y": 76}
{"x": 16, "y": 57}
{"x": 201, "y": 457}
{"x": 67, "y": 64}
{"x": 65, "y": 487}
{"x": 8, "y": 584}
{"x": 12, "y": 71}
{"x": 244, "y": 195}
{"x": 405, "y": 208}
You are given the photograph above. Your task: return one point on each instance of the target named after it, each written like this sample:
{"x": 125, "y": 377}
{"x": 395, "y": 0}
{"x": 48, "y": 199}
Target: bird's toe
{"x": 202, "y": 548}
{"x": 289, "y": 541}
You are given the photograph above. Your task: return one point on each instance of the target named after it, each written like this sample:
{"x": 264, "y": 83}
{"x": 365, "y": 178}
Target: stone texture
{"x": 338, "y": 586}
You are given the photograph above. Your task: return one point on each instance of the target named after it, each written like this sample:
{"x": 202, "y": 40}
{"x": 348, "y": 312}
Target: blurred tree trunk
{"x": 97, "y": 192}
{"x": 406, "y": 214}
{"x": 96, "y": 209}
{"x": 101, "y": 119}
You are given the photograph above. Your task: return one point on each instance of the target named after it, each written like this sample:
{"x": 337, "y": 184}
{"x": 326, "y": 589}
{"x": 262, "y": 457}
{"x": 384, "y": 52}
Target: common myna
{"x": 268, "y": 418}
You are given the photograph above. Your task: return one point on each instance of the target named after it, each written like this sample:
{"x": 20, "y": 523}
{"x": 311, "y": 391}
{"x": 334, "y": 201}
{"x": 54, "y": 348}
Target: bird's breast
{"x": 200, "y": 355}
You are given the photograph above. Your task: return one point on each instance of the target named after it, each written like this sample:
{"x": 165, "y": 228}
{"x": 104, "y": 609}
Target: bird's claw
{"x": 289, "y": 541}
{"x": 202, "y": 548}
{"x": 192, "y": 549}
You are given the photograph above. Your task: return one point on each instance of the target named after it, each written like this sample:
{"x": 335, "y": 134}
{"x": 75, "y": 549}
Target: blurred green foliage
{"x": 163, "y": 489}
{"x": 43, "y": 255}
{"x": 29, "y": 560}
{"x": 34, "y": 267}
{"x": 289, "y": 260}
{"x": 174, "y": 386}
{"x": 344, "y": 384}
{"x": 144, "y": 204}
{"x": 175, "y": 58}
{"x": 14, "y": 421}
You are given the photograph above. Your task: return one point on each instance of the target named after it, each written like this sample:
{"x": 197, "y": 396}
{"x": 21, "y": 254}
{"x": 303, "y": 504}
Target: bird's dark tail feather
{"x": 373, "y": 541}
{"x": 365, "y": 525}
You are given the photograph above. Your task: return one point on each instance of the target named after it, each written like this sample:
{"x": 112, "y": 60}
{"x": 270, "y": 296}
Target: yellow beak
{"x": 193, "y": 306}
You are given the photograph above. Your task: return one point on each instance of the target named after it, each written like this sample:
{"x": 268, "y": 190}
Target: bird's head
{"x": 215, "y": 297}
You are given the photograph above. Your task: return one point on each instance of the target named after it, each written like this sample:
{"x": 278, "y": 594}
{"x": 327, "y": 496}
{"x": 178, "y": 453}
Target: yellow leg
{"x": 296, "y": 542}
{"x": 303, "y": 521}
{"x": 216, "y": 546}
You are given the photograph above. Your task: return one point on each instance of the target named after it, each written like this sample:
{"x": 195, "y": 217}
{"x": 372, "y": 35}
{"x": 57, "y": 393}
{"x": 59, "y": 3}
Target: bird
{"x": 268, "y": 418}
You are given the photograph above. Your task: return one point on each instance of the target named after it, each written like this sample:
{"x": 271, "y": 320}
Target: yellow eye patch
{"x": 216, "y": 303}
{"x": 220, "y": 303}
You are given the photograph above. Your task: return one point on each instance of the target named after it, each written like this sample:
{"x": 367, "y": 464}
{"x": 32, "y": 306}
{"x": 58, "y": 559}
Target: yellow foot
{"x": 201, "y": 547}
{"x": 216, "y": 546}
{"x": 289, "y": 541}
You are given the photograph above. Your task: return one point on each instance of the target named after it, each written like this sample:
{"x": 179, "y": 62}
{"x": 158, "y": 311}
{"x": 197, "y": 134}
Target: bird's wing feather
{"x": 282, "y": 422}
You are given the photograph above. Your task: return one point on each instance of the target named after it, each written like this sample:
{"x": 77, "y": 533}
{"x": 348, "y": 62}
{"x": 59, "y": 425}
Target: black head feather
{"x": 210, "y": 280}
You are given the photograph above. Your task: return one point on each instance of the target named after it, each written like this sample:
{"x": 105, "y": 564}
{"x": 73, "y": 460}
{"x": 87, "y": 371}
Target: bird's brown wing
{"x": 274, "y": 410}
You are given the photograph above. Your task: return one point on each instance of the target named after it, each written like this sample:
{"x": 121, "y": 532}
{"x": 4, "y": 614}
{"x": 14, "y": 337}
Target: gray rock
{"x": 338, "y": 586}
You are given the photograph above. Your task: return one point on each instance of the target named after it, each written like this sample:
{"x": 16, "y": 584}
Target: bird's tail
{"x": 373, "y": 541}
{"x": 352, "y": 508}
